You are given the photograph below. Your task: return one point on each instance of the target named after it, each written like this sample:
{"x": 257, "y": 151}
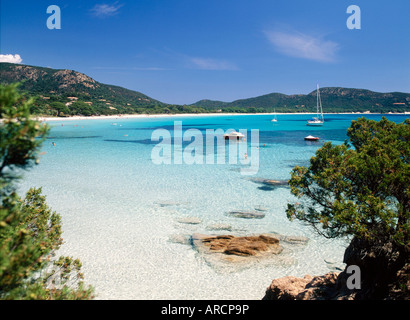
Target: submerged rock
{"x": 240, "y": 246}
{"x": 229, "y": 253}
{"x": 179, "y": 238}
{"x": 169, "y": 203}
{"x": 247, "y": 214}
{"x": 220, "y": 226}
{"x": 299, "y": 240}
{"x": 259, "y": 208}
{"x": 190, "y": 220}
{"x": 266, "y": 188}
{"x": 269, "y": 184}
{"x": 295, "y": 241}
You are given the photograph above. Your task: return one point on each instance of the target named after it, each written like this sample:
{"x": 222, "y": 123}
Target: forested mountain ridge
{"x": 334, "y": 99}
{"x": 67, "y": 92}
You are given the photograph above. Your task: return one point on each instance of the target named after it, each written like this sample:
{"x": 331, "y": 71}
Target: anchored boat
{"x": 311, "y": 138}
{"x": 234, "y": 135}
{"x": 318, "y": 120}
{"x": 274, "y": 117}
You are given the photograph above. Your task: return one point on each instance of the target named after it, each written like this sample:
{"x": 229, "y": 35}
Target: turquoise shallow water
{"x": 123, "y": 215}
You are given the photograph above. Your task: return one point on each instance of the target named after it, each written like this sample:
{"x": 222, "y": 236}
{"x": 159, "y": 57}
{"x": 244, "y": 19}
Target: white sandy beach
{"x": 129, "y": 116}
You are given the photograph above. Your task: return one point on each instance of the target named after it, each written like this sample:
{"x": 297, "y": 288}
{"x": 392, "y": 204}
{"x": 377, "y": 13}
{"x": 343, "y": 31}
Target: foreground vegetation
{"x": 361, "y": 190}
{"x": 30, "y": 232}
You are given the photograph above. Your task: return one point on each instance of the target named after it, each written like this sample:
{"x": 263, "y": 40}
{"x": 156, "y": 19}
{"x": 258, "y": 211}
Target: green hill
{"x": 68, "y": 92}
{"x": 210, "y": 104}
{"x": 334, "y": 99}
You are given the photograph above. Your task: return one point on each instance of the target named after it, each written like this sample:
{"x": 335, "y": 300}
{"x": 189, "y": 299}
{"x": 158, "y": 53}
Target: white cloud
{"x": 303, "y": 46}
{"x": 212, "y": 64}
{"x": 11, "y": 58}
{"x": 106, "y": 10}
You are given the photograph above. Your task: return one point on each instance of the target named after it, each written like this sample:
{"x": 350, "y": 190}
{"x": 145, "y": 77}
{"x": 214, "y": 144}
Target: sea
{"x": 130, "y": 218}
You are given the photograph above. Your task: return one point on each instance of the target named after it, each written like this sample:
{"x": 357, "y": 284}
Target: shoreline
{"x": 130, "y": 116}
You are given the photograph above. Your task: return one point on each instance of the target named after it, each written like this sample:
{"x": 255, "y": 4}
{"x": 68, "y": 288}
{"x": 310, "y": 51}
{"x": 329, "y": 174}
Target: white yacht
{"x": 318, "y": 120}
{"x": 274, "y": 117}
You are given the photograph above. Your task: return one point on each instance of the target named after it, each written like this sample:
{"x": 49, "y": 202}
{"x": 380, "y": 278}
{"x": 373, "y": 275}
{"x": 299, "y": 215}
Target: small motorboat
{"x": 312, "y": 138}
{"x": 234, "y": 135}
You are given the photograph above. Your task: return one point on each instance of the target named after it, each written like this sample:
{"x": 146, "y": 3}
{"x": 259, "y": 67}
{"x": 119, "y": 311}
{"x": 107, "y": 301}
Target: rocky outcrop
{"x": 69, "y": 78}
{"x": 306, "y": 288}
{"x": 380, "y": 262}
{"x": 27, "y": 72}
{"x": 384, "y": 274}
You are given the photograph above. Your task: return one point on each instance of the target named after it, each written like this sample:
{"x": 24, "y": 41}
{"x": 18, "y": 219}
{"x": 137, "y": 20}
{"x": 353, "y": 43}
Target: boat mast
{"x": 320, "y": 102}
{"x": 317, "y": 101}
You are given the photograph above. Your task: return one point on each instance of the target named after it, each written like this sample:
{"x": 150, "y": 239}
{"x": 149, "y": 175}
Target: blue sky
{"x": 181, "y": 51}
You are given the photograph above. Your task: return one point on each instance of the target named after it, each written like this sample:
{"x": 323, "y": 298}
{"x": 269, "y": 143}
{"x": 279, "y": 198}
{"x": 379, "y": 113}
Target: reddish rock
{"x": 306, "y": 288}
{"x": 242, "y": 246}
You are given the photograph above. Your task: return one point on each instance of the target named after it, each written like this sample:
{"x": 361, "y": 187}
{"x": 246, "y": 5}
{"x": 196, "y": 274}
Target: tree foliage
{"x": 360, "y": 188}
{"x": 30, "y": 233}
{"x": 20, "y": 137}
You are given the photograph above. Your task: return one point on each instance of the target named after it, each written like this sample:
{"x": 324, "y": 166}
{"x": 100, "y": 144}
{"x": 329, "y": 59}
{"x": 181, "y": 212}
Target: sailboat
{"x": 274, "y": 117}
{"x": 318, "y": 120}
